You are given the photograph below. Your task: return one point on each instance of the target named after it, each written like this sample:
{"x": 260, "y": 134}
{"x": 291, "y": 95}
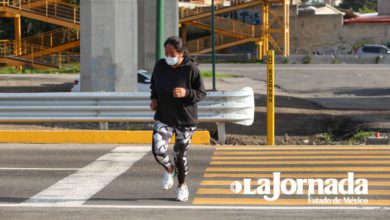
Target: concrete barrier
{"x": 386, "y": 60}
{"x": 325, "y": 59}
{"x": 300, "y": 59}
{"x": 292, "y": 59}
{"x": 368, "y": 60}
{"x": 225, "y": 57}
{"x": 347, "y": 59}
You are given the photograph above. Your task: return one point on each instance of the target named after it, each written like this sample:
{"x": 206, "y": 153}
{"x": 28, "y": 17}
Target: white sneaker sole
{"x": 182, "y": 200}
{"x": 168, "y": 188}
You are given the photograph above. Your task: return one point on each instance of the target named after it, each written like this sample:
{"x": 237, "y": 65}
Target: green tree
{"x": 360, "y": 5}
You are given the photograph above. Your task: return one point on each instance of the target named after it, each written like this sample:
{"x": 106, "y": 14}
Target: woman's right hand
{"x": 153, "y": 104}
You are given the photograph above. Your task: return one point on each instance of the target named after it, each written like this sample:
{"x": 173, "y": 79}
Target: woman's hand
{"x": 179, "y": 92}
{"x": 153, "y": 104}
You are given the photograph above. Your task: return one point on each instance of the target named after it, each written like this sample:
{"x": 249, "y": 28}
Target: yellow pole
{"x": 74, "y": 14}
{"x": 55, "y": 8}
{"x": 265, "y": 26}
{"x": 68, "y": 32}
{"x": 286, "y": 28}
{"x": 59, "y": 60}
{"x": 259, "y": 49}
{"x": 47, "y": 8}
{"x": 32, "y": 54}
{"x": 18, "y": 36}
{"x": 184, "y": 32}
{"x": 5, "y": 49}
{"x": 271, "y": 98}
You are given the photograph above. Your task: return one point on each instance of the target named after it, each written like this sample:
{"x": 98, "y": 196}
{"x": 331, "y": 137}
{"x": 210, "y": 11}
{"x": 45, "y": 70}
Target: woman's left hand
{"x": 179, "y": 92}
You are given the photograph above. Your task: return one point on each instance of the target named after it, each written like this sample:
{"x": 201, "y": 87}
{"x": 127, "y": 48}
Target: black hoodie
{"x": 177, "y": 111}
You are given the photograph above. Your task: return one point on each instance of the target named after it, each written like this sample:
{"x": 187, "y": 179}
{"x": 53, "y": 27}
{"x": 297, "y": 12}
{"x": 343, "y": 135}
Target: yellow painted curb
{"x": 88, "y": 137}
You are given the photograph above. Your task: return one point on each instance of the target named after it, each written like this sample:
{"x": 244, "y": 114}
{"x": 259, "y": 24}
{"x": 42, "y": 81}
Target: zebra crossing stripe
{"x": 78, "y": 187}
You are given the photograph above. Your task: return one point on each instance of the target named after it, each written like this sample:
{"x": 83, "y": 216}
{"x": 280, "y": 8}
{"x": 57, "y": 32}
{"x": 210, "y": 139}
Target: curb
{"x": 88, "y": 137}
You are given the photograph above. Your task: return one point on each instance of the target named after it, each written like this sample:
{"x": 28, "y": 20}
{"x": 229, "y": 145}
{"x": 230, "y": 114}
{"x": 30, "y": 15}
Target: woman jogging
{"x": 176, "y": 87}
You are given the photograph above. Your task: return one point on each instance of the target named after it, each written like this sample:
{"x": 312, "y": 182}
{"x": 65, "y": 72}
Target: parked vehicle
{"x": 143, "y": 82}
{"x": 373, "y": 50}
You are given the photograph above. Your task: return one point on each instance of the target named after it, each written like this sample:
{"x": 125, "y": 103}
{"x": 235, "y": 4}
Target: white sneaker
{"x": 167, "y": 181}
{"x": 182, "y": 193}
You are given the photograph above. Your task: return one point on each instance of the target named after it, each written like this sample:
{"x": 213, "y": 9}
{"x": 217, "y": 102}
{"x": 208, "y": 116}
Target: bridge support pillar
{"x": 147, "y": 29}
{"x": 109, "y": 45}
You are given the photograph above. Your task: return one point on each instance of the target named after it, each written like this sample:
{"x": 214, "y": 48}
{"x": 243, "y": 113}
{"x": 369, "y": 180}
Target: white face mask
{"x": 171, "y": 60}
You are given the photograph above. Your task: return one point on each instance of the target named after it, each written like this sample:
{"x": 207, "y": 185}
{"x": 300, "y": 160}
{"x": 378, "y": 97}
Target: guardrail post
{"x": 221, "y": 132}
{"x": 103, "y": 125}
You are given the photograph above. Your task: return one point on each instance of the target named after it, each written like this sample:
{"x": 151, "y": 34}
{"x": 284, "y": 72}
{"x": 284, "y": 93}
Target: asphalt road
{"x": 350, "y": 87}
{"x": 123, "y": 182}
{"x": 306, "y": 78}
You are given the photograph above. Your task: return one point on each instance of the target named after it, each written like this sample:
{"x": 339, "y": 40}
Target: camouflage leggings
{"x": 162, "y": 134}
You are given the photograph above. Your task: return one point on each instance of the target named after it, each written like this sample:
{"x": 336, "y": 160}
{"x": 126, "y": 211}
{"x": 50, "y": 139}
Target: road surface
{"x": 123, "y": 182}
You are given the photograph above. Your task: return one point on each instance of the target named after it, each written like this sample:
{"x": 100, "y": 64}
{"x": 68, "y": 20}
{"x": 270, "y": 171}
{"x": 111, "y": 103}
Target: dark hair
{"x": 178, "y": 44}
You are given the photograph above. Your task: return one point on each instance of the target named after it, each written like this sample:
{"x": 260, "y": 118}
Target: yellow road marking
{"x": 335, "y": 155}
{"x": 307, "y": 148}
{"x": 293, "y": 175}
{"x": 339, "y": 162}
{"x": 254, "y": 183}
{"x": 281, "y": 169}
{"x": 300, "y": 152}
{"x": 289, "y": 202}
{"x": 88, "y": 136}
{"x": 297, "y": 157}
{"x": 215, "y": 191}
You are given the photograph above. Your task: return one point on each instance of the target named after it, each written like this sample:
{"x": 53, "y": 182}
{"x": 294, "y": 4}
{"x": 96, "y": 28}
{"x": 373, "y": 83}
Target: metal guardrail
{"x": 220, "y": 107}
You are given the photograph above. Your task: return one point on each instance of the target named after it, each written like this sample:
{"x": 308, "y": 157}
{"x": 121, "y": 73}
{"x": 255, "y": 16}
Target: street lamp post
{"x": 213, "y": 42}
{"x": 160, "y": 30}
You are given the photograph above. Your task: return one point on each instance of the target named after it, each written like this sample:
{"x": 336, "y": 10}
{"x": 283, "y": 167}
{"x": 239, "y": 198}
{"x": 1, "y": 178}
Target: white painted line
{"x": 196, "y": 207}
{"x": 38, "y": 169}
{"x": 75, "y": 189}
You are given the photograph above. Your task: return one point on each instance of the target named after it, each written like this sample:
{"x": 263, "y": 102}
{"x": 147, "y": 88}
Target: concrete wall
{"x": 370, "y": 33}
{"x": 309, "y": 32}
{"x": 108, "y": 45}
{"x": 326, "y": 35}
{"x": 384, "y": 7}
{"x": 147, "y": 29}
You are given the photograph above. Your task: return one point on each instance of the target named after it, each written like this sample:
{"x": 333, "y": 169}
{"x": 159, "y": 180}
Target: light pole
{"x": 213, "y": 42}
{"x": 160, "y": 30}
